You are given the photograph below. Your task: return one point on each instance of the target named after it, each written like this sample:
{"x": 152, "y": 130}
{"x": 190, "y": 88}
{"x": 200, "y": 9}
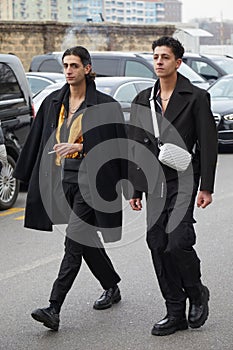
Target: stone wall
{"x": 27, "y": 39}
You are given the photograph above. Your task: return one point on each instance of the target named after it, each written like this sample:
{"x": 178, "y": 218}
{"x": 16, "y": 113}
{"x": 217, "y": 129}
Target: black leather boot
{"x": 169, "y": 325}
{"x": 48, "y": 316}
{"x": 199, "y": 309}
{"x": 109, "y": 297}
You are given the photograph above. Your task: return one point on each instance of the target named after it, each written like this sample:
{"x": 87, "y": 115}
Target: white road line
{"x": 29, "y": 267}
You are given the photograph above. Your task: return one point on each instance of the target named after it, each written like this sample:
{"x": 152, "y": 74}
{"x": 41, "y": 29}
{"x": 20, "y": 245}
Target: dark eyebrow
{"x": 74, "y": 64}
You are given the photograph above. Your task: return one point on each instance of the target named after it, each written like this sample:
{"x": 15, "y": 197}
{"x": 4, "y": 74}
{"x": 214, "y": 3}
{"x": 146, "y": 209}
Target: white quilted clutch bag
{"x": 174, "y": 156}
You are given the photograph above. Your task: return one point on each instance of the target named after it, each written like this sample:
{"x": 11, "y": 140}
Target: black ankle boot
{"x": 199, "y": 309}
{"x": 109, "y": 297}
{"x": 169, "y": 325}
{"x": 48, "y": 316}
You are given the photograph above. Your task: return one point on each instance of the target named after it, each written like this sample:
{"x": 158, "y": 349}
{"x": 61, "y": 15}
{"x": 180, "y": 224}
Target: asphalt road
{"x": 29, "y": 262}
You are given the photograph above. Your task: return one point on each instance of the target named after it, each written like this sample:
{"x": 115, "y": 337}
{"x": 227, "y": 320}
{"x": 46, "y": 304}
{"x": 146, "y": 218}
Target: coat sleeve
{"x": 121, "y": 134}
{"x": 135, "y": 174}
{"x": 29, "y": 153}
{"x": 208, "y": 142}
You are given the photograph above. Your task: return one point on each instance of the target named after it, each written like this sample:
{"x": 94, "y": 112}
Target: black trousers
{"x": 82, "y": 241}
{"x": 171, "y": 237}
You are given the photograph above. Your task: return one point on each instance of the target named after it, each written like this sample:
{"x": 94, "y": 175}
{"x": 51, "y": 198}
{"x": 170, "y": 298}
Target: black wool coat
{"x": 103, "y": 131}
{"x": 187, "y": 121}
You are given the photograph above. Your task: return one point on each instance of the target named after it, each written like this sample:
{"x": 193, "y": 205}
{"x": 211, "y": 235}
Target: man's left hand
{"x": 204, "y": 198}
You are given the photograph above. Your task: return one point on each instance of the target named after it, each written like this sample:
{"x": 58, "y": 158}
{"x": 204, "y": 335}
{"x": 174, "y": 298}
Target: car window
{"x": 226, "y": 63}
{"x": 37, "y": 84}
{"x": 105, "y": 67}
{"x": 143, "y": 85}
{"x": 222, "y": 88}
{"x": 204, "y": 69}
{"x": 9, "y": 87}
{"x": 134, "y": 68}
{"x": 50, "y": 65}
{"x": 126, "y": 93}
{"x": 190, "y": 73}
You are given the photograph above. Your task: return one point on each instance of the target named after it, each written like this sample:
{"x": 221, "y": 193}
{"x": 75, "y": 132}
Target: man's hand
{"x": 204, "y": 198}
{"x": 65, "y": 148}
{"x": 135, "y": 203}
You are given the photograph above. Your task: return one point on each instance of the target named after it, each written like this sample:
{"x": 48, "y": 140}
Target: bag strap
{"x": 153, "y": 113}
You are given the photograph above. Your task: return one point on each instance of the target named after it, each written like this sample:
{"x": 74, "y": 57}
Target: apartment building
{"x": 6, "y": 9}
{"x": 118, "y": 11}
{"x": 36, "y": 10}
{"x": 115, "y": 11}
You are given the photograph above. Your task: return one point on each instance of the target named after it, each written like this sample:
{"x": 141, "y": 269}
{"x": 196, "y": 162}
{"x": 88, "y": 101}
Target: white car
{"x": 39, "y": 80}
{"x": 123, "y": 89}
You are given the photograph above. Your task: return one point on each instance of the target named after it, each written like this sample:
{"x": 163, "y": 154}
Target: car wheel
{"x": 9, "y": 186}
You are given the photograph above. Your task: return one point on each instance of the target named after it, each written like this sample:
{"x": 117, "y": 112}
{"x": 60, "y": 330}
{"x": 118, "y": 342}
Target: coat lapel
{"x": 144, "y": 115}
{"x": 179, "y": 98}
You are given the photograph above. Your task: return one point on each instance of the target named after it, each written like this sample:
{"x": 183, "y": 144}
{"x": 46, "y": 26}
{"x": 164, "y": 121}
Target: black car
{"x": 210, "y": 67}
{"x": 105, "y": 64}
{"x": 115, "y": 64}
{"x": 221, "y": 94}
{"x": 16, "y": 113}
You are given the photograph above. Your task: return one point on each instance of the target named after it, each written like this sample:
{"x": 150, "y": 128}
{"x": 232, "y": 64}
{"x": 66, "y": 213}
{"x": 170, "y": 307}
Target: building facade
{"x": 172, "y": 11}
{"x": 6, "y": 9}
{"x": 113, "y": 11}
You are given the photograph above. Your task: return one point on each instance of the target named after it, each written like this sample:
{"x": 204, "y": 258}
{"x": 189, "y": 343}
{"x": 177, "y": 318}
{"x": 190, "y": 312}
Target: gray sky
{"x": 216, "y": 9}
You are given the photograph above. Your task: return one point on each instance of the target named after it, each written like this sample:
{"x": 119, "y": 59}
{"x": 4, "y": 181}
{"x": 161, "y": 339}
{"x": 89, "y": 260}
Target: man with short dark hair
{"x": 184, "y": 118}
{"x": 71, "y": 125}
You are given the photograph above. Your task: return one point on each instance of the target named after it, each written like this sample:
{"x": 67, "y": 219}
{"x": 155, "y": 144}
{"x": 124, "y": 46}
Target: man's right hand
{"x": 136, "y": 203}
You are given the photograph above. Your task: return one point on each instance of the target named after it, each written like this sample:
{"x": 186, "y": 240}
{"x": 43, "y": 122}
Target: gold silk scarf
{"x": 75, "y": 134}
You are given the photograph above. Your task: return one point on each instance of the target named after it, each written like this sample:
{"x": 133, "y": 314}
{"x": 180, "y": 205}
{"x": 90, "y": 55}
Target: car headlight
{"x": 228, "y": 117}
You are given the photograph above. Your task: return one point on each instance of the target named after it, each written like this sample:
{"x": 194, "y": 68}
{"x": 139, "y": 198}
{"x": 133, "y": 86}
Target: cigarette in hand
{"x": 50, "y": 152}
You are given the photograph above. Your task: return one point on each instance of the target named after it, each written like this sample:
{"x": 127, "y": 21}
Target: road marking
{"x": 12, "y": 211}
{"x": 29, "y": 267}
{"x": 20, "y": 218}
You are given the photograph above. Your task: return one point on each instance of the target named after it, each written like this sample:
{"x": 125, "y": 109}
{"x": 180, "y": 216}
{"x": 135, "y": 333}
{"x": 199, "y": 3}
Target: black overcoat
{"x": 189, "y": 115}
{"x": 102, "y": 122}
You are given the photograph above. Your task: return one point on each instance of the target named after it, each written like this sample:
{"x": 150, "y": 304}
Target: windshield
{"x": 222, "y": 88}
{"x": 224, "y": 62}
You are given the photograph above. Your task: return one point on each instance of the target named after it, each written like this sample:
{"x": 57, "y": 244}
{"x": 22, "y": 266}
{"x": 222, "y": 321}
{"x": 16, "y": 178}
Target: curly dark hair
{"x": 174, "y": 44}
{"x": 84, "y": 56}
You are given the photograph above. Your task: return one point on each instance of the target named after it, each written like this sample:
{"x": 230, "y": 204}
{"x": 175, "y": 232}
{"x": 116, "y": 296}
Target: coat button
{"x": 138, "y": 168}
{"x": 146, "y": 140}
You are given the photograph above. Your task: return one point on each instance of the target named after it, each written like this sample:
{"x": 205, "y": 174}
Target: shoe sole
{"x": 181, "y": 327}
{"x": 205, "y": 315}
{"x": 114, "y": 301}
{"x": 46, "y": 323}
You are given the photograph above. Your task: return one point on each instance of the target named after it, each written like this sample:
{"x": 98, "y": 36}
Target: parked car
{"x": 115, "y": 63}
{"x": 210, "y": 67}
{"x": 39, "y": 80}
{"x": 221, "y": 93}
{"x": 16, "y": 113}
{"x": 123, "y": 89}
{"x": 49, "y": 62}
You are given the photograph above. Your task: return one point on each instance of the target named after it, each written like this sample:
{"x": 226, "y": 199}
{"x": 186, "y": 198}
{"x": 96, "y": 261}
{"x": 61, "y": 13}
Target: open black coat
{"x": 102, "y": 122}
{"x": 187, "y": 115}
